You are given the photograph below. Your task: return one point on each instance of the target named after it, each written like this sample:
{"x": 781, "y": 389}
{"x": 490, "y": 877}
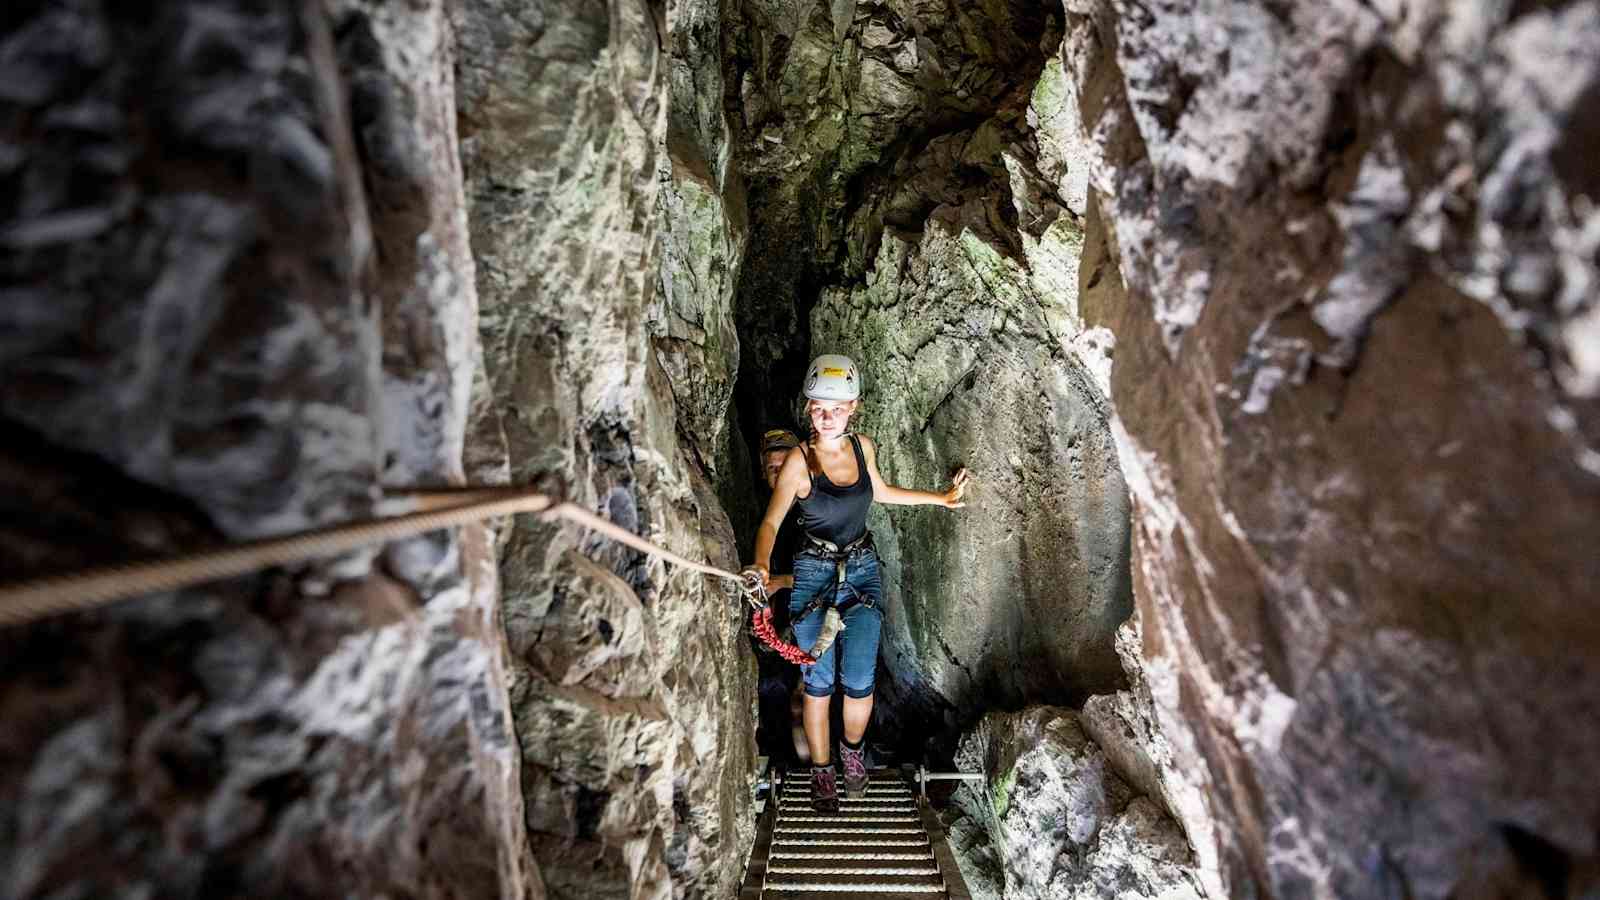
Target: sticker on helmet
{"x": 836, "y": 372}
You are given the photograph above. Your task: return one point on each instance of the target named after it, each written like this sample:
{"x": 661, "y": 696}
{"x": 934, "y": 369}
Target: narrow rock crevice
{"x": 1268, "y": 334}
{"x": 887, "y": 222}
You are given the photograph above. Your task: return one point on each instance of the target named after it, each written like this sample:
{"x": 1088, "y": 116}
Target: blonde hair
{"x": 855, "y": 405}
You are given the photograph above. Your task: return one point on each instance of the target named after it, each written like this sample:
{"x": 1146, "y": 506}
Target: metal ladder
{"x": 887, "y": 844}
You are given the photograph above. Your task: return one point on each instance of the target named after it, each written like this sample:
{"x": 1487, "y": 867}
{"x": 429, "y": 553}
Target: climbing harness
{"x": 415, "y": 512}
{"x": 820, "y": 548}
{"x": 833, "y": 621}
{"x": 836, "y": 554}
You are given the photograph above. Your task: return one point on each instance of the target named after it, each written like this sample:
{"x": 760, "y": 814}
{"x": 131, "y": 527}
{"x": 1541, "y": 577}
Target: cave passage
{"x": 1267, "y": 332}
{"x": 916, "y": 231}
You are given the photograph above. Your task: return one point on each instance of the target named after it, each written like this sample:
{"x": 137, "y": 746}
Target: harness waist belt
{"x": 839, "y": 556}
{"x": 828, "y": 550}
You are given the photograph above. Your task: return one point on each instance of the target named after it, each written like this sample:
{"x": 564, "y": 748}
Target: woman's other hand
{"x": 951, "y": 499}
{"x": 781, "y": 583}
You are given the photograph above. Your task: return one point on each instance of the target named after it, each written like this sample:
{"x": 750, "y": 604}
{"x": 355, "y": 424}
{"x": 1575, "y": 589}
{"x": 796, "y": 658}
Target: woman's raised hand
{"x": 951, "y": 499}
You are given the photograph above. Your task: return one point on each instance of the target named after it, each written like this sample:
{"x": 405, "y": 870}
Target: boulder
{"x": 1063, "y": 825}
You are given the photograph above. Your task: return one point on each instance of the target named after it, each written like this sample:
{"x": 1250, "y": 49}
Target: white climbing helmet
{"x": 833, "y": 377}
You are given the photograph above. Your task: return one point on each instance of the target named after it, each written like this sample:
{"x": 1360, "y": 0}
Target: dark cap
{"x": 778, "y": 439}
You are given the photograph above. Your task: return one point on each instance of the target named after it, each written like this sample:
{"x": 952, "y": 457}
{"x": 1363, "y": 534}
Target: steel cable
{"x": 430, "y": 510}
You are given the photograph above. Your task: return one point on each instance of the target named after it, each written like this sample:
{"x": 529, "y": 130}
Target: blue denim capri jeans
{"x": 853, "y": 658}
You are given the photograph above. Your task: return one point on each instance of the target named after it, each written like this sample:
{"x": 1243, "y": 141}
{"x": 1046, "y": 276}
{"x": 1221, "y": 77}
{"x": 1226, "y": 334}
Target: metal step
{"x": 851, "y": 809}
{"x": 878, "y": 844}
{"x": 874, "y": 893}
{"x": 872, "y": 783}
{"x": 844, "y": 842}
{"x": 885, "y": 800}
{"x": 823, "y": 823}
{"x": 876, "y": 885}
{"x": 884, "y": 797}
{"x": 807, "y": 814}
{"x": 830, "y": 867}
{"x": 803, "y": 801}
{"x": 782, "y": 831}
{"x": 804, "y": 784}
{"x": 804, "y": 777}
{"x": 871, "y": 793}
{"x": 900, "y": 790}
{"x": 887, "y": 854}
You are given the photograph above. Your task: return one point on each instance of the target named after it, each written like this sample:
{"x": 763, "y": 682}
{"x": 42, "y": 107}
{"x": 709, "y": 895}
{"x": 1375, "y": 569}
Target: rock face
{"x": 906, "y": 208}
{"x": 965, "y": 362}
{"x": 232, "y": 312}
{"x": 1062, "y": 822}
{"x": 631, "y": 691}
{"x": 1349, "y": 258}
{"x": 1308, "y": 290}
{"x": 1128, "y": 728}
{"x": 853, "y": 116}
{"x": 704, "y": 230}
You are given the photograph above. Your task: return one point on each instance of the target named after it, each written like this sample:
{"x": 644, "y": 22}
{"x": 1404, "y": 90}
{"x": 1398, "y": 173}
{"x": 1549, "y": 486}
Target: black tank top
{"x": 838, "y": 514}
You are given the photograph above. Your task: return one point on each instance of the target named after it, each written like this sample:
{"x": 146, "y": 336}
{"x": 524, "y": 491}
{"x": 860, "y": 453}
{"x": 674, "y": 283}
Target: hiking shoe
{"x": 824, "y": 792}
{"x": 855, "y": 770}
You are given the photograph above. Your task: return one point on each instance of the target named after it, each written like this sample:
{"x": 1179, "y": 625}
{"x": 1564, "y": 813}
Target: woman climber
{"x": 834, "y": 477}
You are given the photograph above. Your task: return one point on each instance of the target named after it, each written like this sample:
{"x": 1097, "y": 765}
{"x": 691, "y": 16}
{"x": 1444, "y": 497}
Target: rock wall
{"x": 1063, "y": 824}
{"x": 965, "y": 361}
{"x": 704, "y": 227}
{"x": 1147, "y": 752}
{"x": 908, "y": 208}
{"x": 632, "y": 694}
{"x": 1348, "y": 253}
{"x": 1334, "y": 330}
{"x": 851, "y": 115}
{"x": 231, "y": 311}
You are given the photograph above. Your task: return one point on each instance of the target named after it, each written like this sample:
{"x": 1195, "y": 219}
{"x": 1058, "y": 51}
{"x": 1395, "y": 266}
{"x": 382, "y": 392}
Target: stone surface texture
{"x": 1270, "y": 332}
{"x": 1061, "y": 823}
{"x": 231, "y": 311}
{"x": 915, "y": 198}
{"x": 1129, "y": 730}
{"x": 631, "y": 689}
{"x": 704, "y": 228}
{"x": 965, "y": 362}
{"x": 852, "y": 117}
{"x": 942, "y": 255}
{"x": 1348, "y": 253}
